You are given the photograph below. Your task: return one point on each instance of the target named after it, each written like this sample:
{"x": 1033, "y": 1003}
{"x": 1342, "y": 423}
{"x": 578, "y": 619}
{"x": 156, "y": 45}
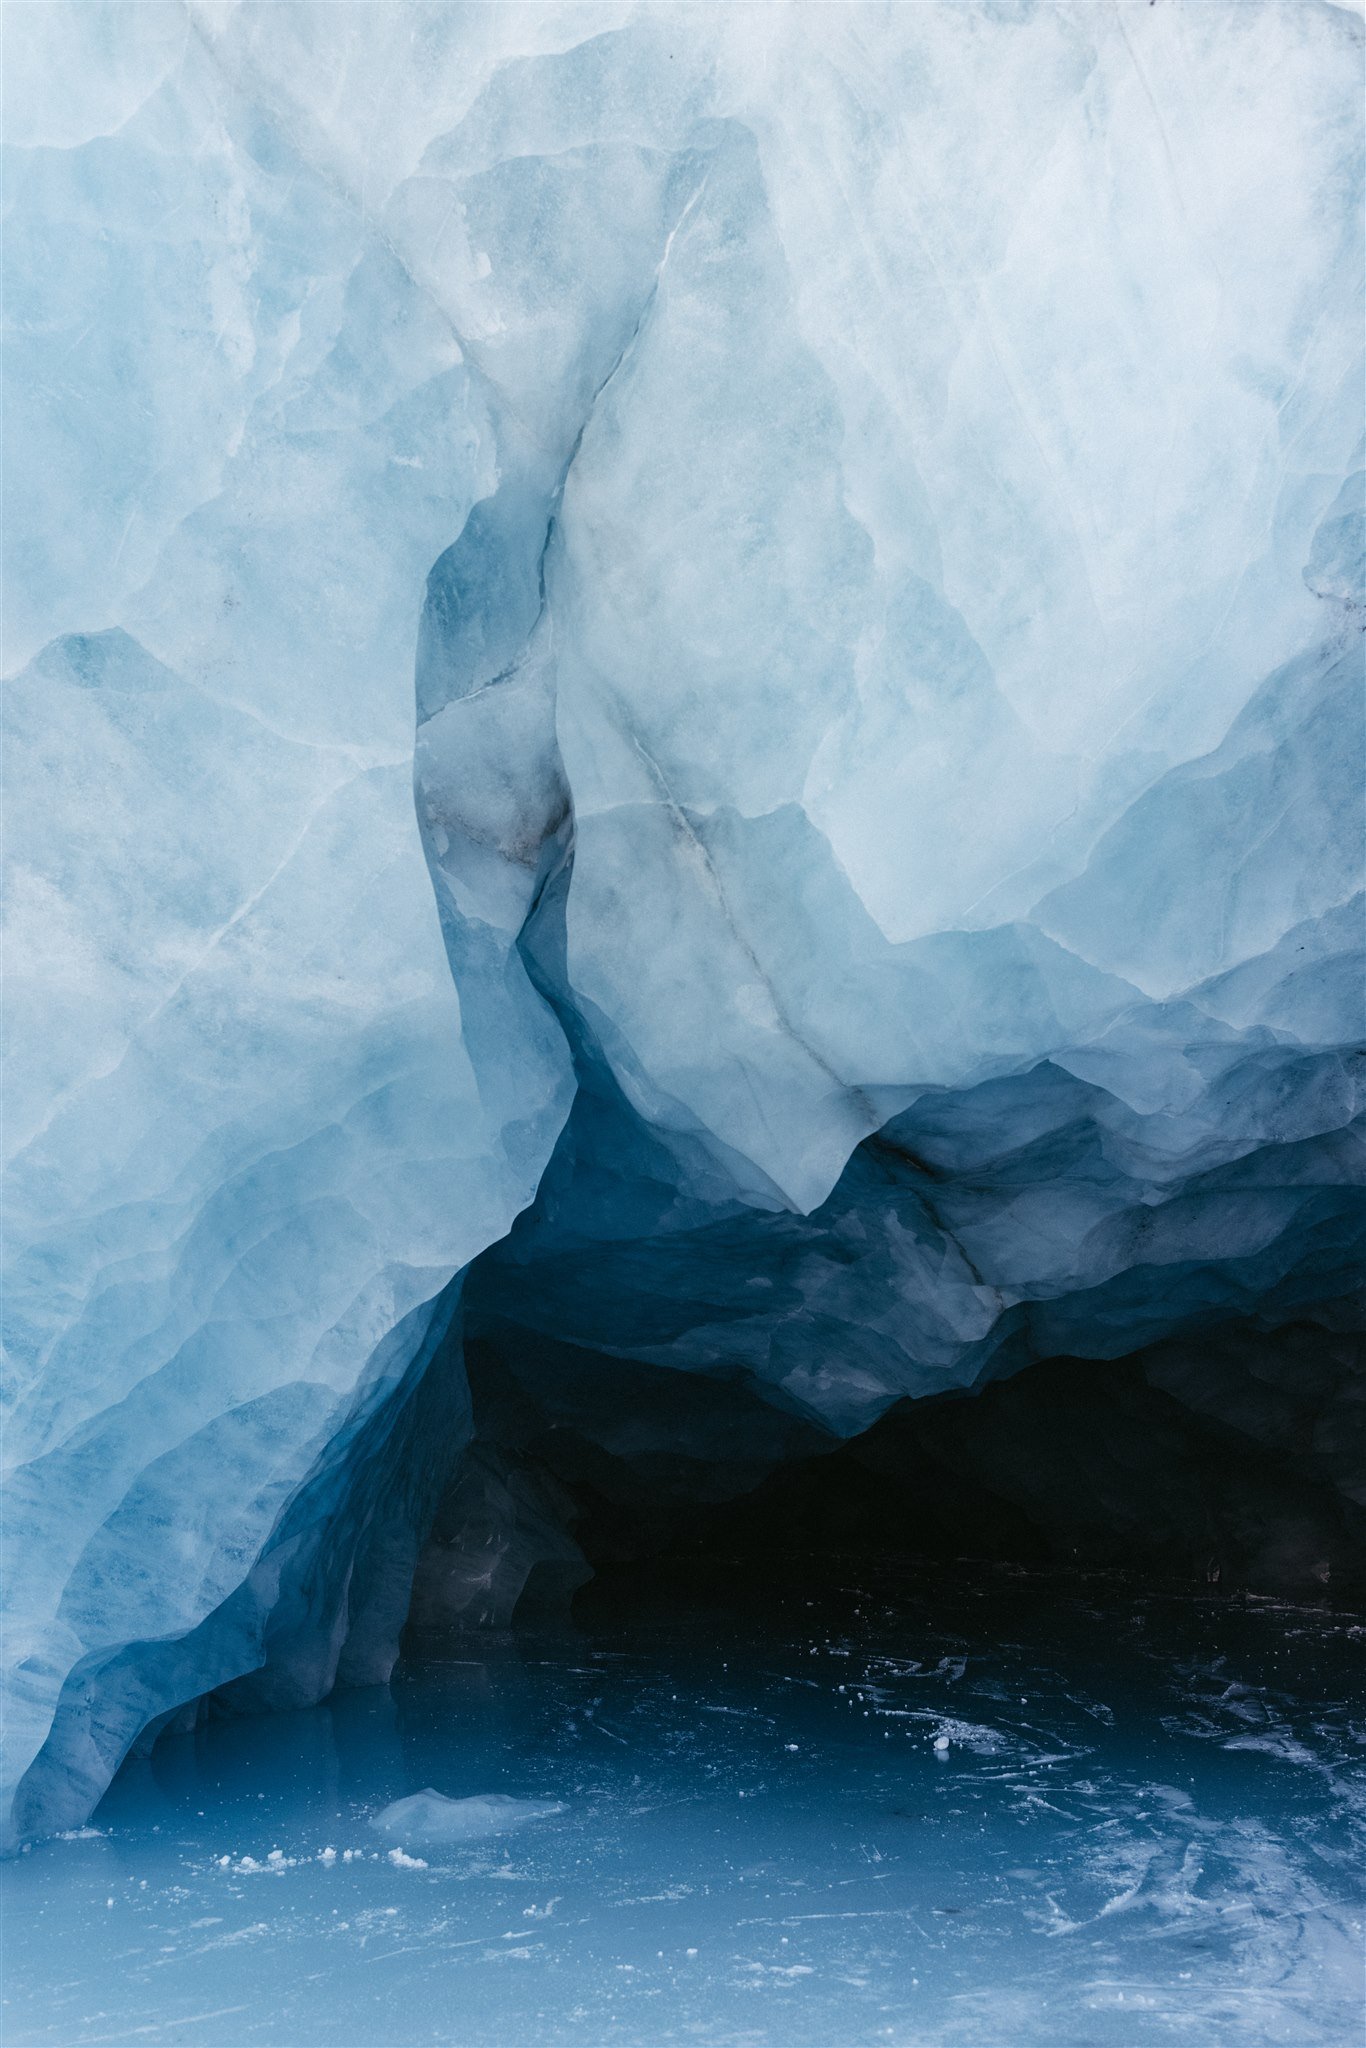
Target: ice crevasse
{"x": 870, "y": 502}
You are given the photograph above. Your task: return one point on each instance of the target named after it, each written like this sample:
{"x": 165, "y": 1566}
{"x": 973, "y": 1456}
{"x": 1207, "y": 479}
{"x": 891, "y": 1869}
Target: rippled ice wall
{"x": 887, "y": 489}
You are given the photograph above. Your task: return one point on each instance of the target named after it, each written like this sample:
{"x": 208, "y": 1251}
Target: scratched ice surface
{"x": 1147, "y": 1827}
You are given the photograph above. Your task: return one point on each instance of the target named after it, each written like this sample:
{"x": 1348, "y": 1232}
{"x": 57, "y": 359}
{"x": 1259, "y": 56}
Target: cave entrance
{"x": 594, "y": 1485}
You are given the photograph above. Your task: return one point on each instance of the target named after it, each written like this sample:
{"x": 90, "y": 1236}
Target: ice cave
{"x": 684, "y": 1008}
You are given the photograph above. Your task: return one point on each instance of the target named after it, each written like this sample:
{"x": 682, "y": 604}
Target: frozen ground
{"x": 1147, "y": 1827}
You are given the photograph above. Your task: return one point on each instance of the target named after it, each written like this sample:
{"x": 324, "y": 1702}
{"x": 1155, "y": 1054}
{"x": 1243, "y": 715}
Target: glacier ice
{"x": 1184, "y": 1790}
{"x": 431, "y": 1817}
{"x": 887, "y": 489}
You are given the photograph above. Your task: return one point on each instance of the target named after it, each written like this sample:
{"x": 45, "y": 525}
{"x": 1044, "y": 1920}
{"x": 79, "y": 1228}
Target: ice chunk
{"x": 431, "y": 1817}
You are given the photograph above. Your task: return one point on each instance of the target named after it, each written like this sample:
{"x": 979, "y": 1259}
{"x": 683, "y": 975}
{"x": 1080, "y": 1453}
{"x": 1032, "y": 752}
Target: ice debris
{"x": 429, "y": 1816}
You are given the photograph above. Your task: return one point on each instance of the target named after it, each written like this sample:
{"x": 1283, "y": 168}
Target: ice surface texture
{"x": 888, "y": 749}
{"x": 432, "y": 1817}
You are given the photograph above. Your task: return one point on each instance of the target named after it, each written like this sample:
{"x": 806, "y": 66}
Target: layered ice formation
{"x": 887, "y": 489}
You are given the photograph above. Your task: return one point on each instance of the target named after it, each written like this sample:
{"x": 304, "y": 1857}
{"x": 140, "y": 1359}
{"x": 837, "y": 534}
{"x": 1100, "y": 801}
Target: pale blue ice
{"x": 1147, "y": 1828}
{"x": 733, "y": 632}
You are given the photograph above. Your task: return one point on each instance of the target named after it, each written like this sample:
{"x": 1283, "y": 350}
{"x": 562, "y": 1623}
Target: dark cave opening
{"x": 679, "y": 1396}
{"x": 597, "y": 1485}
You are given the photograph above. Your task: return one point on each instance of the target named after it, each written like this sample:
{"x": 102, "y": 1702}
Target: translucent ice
{"x": 430, "y": 1817}
{"x": 1118, "y": 1836}
{"x": 886, "y": 484}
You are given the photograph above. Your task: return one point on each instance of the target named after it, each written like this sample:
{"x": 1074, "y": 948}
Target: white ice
{"x": 429, "y": 1816}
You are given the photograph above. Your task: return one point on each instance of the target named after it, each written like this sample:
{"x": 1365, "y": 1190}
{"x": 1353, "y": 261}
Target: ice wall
{"x": 888, "y": 735}
{"x": 249, "y": 1145}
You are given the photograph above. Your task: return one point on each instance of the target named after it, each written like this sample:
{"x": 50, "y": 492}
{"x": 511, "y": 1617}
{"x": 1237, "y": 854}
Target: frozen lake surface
{"x": 1147, "y": 1826}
